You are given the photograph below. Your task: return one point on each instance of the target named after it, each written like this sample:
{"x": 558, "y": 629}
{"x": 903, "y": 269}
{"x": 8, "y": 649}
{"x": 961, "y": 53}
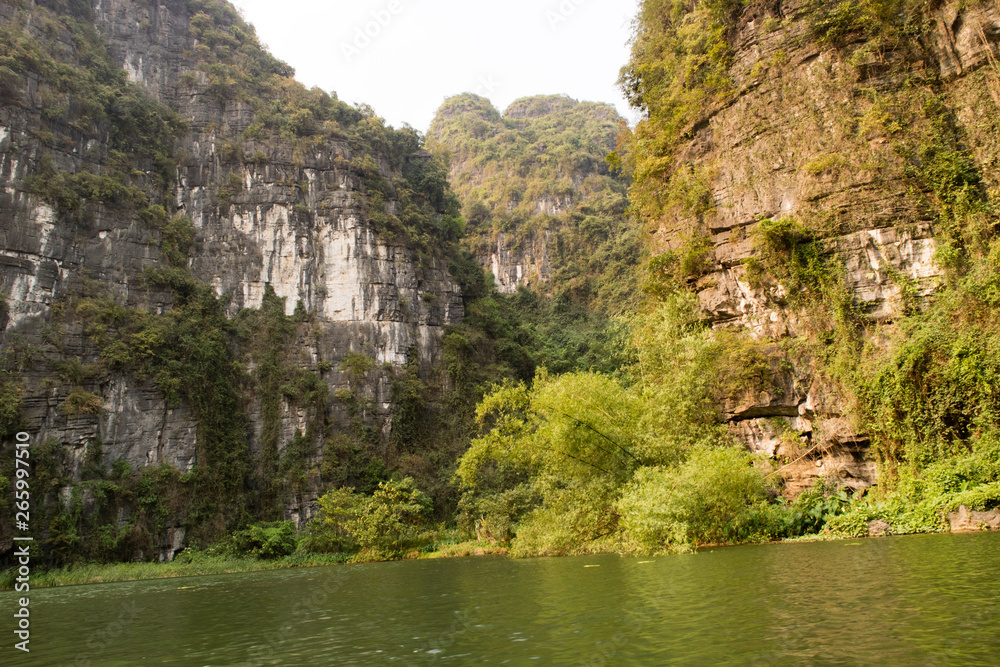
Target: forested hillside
{"x": 816, "y": 322}
{"x": 223, "y": 293}
{"x": 243, "y": 319}
{"x": 546, "y": 216}
{"x": 820, "y": 179}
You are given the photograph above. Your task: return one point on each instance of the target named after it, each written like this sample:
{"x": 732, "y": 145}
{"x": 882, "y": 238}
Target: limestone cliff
{"x": 539, "y": 198}
{"x": 830, "y": 115}
{"x": 296, "y": 210}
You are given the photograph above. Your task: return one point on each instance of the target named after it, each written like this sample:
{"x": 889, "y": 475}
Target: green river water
{"x": 920, "y": 600}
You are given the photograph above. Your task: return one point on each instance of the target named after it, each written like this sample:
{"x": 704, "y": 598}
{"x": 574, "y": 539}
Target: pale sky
{"x": 412, "y": 54}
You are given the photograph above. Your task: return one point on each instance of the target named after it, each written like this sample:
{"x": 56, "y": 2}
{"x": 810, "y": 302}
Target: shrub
{"x": 178, "y": 237}
{"x": 813, "y": 508}
{"x": 786, "y": 249}
{"x": 82, "y": 402}
{"x": 328, "y": 531}
{"x": 356, "y": 365}
{"x": 716, "y": 496}
{"x": 263, "y": 540}
{"x": 494, "y": 517}
{"x": 389, "y": 523}
{"x": 10, "y": 405}
{"x": 383, "y": 526}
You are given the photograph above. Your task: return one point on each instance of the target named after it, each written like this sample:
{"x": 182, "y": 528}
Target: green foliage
{"x": 125, "y": 515}
{"x": 294, "y": 459}
{"x": 673, "y": 268}
{"x": 884, "y": 22}
{"x": 69, "y": 192}
{"x": 389, "y": 523}
{"x": 677, "y": 74}
{"x": 563, "y": 463}
{"x": 178, "y": 237}
{"x": 186, "y": 351}
{"x": 715, "y": 496}
{"x": 328, "y": 532}
{"x": 494, "y": 517}
{"x": 85, "y": 92}
{"x": 917, "y": 499}
{"x": 262, "y": 540}
{"x": 546, "y": 152}
{"x": 932, "y": 391}
{"x": 10, "y": 405}
{"x": 409, "y": 395}
{"x": 825, "y": 163}
{"x": 356, "y": 365}
{"x": 350, "y": 462}
{"x": 813, "y": 508}
{"x": 787, "y": 250}
{"x": 81, "y": 402}
{"x": 265, "y": 335}
{"x": 383, "y": 526}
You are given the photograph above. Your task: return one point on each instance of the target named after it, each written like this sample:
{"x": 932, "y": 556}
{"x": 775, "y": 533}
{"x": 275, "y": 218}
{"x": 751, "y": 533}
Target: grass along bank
{"x": 189, "y": 566}
{"x": 195, "y": 563}
{"x": 200, "y": 564}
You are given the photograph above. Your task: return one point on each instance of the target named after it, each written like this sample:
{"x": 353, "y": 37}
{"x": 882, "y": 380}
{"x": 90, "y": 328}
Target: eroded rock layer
{"x": 823, "y": 126}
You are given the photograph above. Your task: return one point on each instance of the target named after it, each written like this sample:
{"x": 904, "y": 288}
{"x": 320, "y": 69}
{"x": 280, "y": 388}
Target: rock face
{"x": 524, "y": 264}
{"x": 965, "y": 520}
{"x": 293, "y": 218}
{"x": 801, "y": 137}
{"x": 536, "y": 171}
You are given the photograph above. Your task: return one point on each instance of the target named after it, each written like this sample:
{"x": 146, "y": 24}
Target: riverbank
{"x": 198, "y": 564}
{"x": 201, "y": 564}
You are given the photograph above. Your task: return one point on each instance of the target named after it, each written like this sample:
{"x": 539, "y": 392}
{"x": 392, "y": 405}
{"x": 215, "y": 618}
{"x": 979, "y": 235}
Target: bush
{"x": 389, "y": 523}
{"x": 328, "y": 532}
{"x": 383, "y": 526}
{"x": 82, "y": 402}
{"x": 786, "y": 249}
{"x": 716, "y": 496}
{"x": 812, "y": 509}
{"x": 178, "y": 237}
{"x": 10, "y": 405}
{"x": 263, "y": 540}
{"x": 494, "y": 517}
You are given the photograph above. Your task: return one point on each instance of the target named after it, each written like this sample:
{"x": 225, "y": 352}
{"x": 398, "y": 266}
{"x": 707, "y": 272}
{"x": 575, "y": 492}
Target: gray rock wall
{"x": 297, "y": 224}
{"x": 797, "y": 139}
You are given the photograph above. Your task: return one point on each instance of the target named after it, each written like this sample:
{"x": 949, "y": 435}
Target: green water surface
{"x": 920, "y": 600}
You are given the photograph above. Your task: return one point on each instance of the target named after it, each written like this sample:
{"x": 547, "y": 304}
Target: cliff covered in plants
{"x": 820, "y": 180}
{"x": 546, "y": 216}
{"x": 222, "y": 291}
{"x": 230, "y": 300}
{"x": 541, "y": 205}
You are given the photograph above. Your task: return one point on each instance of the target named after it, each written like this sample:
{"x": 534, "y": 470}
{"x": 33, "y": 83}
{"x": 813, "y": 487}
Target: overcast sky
{"x": 404, "y": 57}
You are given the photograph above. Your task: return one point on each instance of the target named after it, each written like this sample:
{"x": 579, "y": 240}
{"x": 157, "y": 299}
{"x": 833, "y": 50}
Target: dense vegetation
{"x": 917, "y": 386}
{"x": 174, "y": 333}
{"x": 576, "y": 415}
{"x": 535, "y": 182}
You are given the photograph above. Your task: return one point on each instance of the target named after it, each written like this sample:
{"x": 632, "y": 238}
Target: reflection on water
{"x": 906, "y": 600}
